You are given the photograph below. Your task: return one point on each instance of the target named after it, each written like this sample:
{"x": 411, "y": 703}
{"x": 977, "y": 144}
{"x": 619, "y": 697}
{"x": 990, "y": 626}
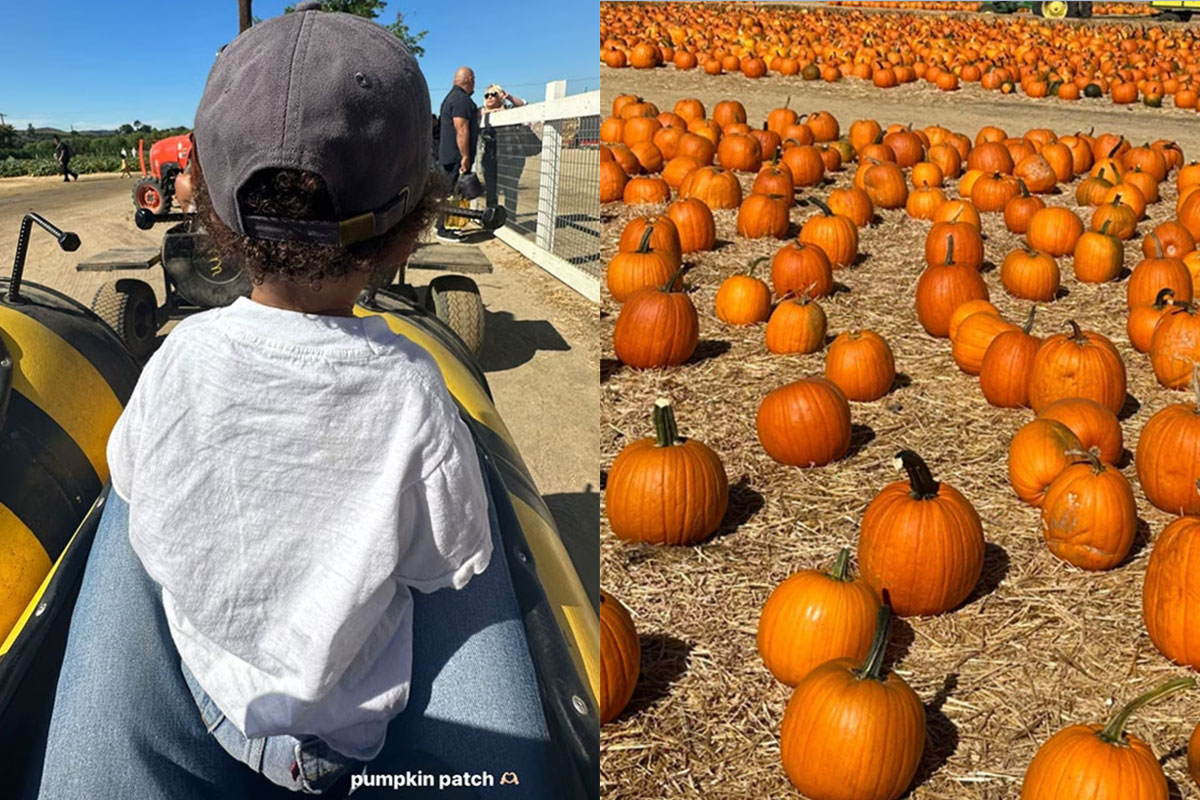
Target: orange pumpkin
{"x": 743, "y": 299}
{"x": 1089, "y": 515}
{"x": 861, "y": 364}
{"x": 921, "y": 541}
{"x": 1169, "y": 604}
{"x": 801, "y": 268}
{"x": 1036, "y": 456}
{"x": 1006, "y": 366}
{"x": 797, "y": 325}
{"x": 1100, "y": 761}
{"x": 1082, "y": 364}
{"x": 1095, "y": 425}
{"x": 813, "y": 617}
{"x": 657, "y": 327}
{"x": 620, "y": 657}
{"x": 805, "y": 423}
{"x": 850, "y": 732}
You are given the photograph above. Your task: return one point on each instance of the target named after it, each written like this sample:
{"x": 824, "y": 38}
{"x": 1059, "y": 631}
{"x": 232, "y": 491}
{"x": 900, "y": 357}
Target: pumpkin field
{"x": 934, "y": 267}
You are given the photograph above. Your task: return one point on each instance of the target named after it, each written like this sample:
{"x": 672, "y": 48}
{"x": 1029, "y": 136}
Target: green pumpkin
{"x": 1092, "y": 90}
{"x": 810, "y": 73}
{"x": 1152, "y": 100}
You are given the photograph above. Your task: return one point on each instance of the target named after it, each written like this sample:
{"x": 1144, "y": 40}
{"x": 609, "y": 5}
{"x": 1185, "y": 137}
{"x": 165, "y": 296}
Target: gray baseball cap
{"x": 332, "y": 94}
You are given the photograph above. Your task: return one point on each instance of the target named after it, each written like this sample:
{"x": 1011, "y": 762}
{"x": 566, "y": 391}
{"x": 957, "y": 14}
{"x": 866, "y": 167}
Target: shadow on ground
{"x": 509, "y": 342}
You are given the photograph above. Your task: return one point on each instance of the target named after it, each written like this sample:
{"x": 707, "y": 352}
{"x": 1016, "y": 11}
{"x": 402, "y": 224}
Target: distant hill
{"x": 61, "y": 132}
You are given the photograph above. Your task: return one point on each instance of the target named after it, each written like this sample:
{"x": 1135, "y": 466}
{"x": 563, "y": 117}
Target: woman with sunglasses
{"x": 519, "y": 143}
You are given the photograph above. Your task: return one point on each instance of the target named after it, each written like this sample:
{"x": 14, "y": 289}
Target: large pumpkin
{"x": 1089, "y": 516}
{"x": 1100, "y": 762}
{"x": 630, "y": 271}
{"x": 849, "y": 733}
{"x": 620, "y": 657}
{"x": 1175, "y": 345}
{"x": 657, "y": 327}
{"x": 801, "y": 267}
{"x": 921, "y": 541}
{"x": 805, "y": 423}
{"x": 694, "y": 223}
{"x": 835, "y": 234}
{"x": 1168, "y": 457}
{"x": 1082, "y": 364}
{"x": 1170, "y": 605}
{"x": 664, "y": 489}
{"x": 813, "y": 617}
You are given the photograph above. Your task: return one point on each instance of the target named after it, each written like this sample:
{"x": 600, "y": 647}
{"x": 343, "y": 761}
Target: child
{"x": 293, "y": 471}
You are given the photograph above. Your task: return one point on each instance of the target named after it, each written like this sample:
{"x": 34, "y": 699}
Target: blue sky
{"x": 97, "y": 64}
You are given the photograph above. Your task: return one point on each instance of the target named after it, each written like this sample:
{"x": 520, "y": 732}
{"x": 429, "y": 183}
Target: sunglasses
{"x": 492, "y": 94}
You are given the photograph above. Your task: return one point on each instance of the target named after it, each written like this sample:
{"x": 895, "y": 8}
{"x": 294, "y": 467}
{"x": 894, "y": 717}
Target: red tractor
{"x": 168, "y": 158}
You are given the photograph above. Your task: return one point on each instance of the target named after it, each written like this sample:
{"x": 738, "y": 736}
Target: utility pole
{"x": 245, "y": 19}
{"x": 2, "y": 119}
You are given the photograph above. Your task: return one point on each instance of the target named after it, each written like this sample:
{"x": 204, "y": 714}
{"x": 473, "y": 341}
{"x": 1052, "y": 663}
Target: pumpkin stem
{"x": 1160, "y": 301}
{"x": 1076, "y": 334}
{"x": 1116, "y": 147}
{"x": 1104, "y": 227}
{"x": 873, "y": 667}
{"x": 920, "y": 479}
{"x": 841, "y": 567}
{"x": 949, "y": 249}
{"x": 1029, "y": 321}
{"x": 754, "y": 264}
{"x": 1114, "y": 732}
{"x": 1097, "y": 464}
{"x": 821, "y": 205}
{"x": 669, "y": 287}
{"x": 665, "y": 429}
{"x": 1158, "y": 251}
{"x": 1024, "y": 189}
{"x": 644, "y": 244}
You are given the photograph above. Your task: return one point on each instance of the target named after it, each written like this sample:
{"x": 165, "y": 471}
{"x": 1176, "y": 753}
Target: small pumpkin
{"x": 657, "y": 327}
{"x": 628, "y": 272}
{"x": 1020, "y": 210}
{"x": 1037, "y": 455}
{"x": 1098, "y": 257}
{"x": 964, "y": 310}
{"x": 943, "y": 288}
{"x": 797, "y": 325}
{"x": 762, "y": 215}
{"x": 1115, "y": 217}
{"x": 716, "y": 188}
{"x": 921, "y": 541}
{"x": 620, "y": 657}
{"x": 801, "y": 267}
{"x": 975, "y": 334}
{"x": 813, "y": 617}
{"x": 1152, "y": 275}
{"x": 861, "y": 363}
{"x": 833, "y": 233}
{"x": 1089, "y": 515}
{"x": 1144, "y": 319}
{"x": 805, "y": 423}
{"x": 854, "y": 203}
{"x": 1173, "y": 239}
{"x": 612, "y": 182}
{"x": 1081, "y": 364}
{"x": 774, "y": 179}
{"x": 1030, "y": 275}
{"x": 1054, "y": 231}
{"x": 642, "y": 189}
{"x": 743, "y": 299}
{"x": 1100, "y": 761}
{"x": 850, "y": 732}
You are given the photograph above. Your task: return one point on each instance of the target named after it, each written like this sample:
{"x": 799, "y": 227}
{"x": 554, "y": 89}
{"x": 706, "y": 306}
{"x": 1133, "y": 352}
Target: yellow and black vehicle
{"x": 65, "y": 376}
{"x": 1175, "y": 10}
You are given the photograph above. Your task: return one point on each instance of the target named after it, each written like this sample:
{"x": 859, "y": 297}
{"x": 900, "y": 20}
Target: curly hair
{"x": 294, "y": 194}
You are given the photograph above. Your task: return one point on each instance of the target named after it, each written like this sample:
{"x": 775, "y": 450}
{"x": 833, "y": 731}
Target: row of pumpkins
{"x": 1001, "y": 54}
{"x": 1100, "y": 9}
{"x": 825, "y": 634}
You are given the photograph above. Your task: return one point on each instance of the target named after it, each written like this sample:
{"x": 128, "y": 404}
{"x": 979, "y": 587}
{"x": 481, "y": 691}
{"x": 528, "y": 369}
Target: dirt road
{"x": 541, "y": 355}
{"x": 966, "y": 110}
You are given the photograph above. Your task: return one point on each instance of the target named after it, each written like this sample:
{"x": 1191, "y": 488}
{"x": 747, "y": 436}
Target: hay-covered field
{"x": 1040, "y": 644}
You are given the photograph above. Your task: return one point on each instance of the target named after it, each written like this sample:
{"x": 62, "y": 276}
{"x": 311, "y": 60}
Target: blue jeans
{"x": 125, "y": 723}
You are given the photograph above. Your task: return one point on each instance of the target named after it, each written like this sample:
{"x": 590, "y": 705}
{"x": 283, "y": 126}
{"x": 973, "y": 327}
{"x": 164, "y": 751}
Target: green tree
{"x": 127, "y": 128}
{"x": 8, "y": 135}
{"x": 371, "y": 10}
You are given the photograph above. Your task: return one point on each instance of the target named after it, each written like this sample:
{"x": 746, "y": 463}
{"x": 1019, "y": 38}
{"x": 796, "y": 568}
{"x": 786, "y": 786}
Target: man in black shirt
{"x": 458, "y": 136}
{"x": 62, "y": 154}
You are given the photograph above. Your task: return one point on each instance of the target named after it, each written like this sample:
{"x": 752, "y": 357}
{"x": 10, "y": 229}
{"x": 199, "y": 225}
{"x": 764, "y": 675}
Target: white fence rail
{"x": 542, "y": 163}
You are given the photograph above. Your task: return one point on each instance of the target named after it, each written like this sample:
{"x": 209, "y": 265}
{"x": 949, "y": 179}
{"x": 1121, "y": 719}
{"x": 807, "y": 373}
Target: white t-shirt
{"x": 290, "y": 477}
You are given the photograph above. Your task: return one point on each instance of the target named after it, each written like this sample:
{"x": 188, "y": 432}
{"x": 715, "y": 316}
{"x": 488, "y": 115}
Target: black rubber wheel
{"x": 129, "y": 308}
{"x": 149, "y": 194}
{"x": 454, "y": 299}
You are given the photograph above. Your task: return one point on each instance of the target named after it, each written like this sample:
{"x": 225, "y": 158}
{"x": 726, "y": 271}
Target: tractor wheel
{"x": 129, "y": 308}
{"x": 148, "y": 194}
{"x": 454, "y": 299}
